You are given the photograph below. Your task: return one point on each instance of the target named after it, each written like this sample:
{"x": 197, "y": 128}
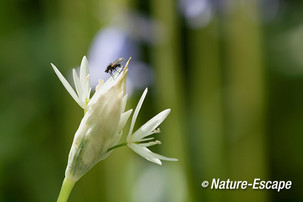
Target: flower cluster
{"x": 101, "y": 128}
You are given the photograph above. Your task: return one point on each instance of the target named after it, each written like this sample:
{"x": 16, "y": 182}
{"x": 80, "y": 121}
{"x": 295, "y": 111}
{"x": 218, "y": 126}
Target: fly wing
{"x": 118, "y": 61}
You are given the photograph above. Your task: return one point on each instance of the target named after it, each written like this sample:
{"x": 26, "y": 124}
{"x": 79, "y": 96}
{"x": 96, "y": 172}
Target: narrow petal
{"x": 136, "y": 114}
{"x": 124, "y": 101}
{"x": 144, "y": 152}
{"x": 67, "y": 86}
{"x": 83, "y": 70}
{"x": 149, "y": 126}
{"x": 88, "y": 94}
{"x": 77, "y": 83}
{"x": 123, "y": 119}
{"x": 84, "y": 80}
{"x": 164, "y": 158}
{"x": 149, "y": 155}
{"x": 146, "y": 139}
{"x": 87, "y": 88}
{"x": 125, "y": 69}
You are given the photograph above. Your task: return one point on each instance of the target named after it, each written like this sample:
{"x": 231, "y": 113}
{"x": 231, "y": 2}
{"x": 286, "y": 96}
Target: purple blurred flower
{"x": 198, "y": 13}
{"x": 115, "y": 42}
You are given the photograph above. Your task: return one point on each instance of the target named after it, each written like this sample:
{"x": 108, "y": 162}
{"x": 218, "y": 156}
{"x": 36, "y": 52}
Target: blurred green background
{"x": 231, "y": 71}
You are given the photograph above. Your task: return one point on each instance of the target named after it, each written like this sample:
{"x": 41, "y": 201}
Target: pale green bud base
{"x": 68, "y": 184}
{"x": 66, "y": 189}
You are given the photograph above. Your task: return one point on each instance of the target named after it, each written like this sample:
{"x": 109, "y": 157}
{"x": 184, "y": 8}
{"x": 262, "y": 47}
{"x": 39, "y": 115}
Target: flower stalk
{"x": 66, "y": 189}
{"x": 117, "y": 146}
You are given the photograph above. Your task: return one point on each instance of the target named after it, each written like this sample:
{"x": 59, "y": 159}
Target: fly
{"x": 113, "y": 66}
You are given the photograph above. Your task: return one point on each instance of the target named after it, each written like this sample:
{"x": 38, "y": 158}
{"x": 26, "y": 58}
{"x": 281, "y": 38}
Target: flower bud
{"x": 99, "y": 128}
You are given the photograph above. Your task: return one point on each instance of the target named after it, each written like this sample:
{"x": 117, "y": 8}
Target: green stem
{"x": 118, "y": 145}
{"x": 66, "y": 188}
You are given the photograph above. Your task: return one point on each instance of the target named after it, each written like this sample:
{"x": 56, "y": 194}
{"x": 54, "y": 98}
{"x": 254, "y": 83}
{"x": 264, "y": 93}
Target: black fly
{"x": 113, "y": 66}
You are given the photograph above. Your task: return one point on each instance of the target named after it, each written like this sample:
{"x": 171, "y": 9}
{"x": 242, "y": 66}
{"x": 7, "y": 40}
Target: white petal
{"x": 84, "y": 80}
{"x": 147, "y": 139}
{"x": 77, "y": 83}
{"x": 88, "y": 94}
{"x": 108, "y": 81}
{"x": 164, "y": 158}
{"x": 84, "y": 71}
{"x": 149, "y": 155}
{"x": 144, "y": 152}
{"x": 67, "y": 86}
{"x": 124, "y": 101}
{"x": 123, "y": 119}
{"x": 149, "y": 126}
{"x": 136, "y": 114}
{"x": 117, "y": 72}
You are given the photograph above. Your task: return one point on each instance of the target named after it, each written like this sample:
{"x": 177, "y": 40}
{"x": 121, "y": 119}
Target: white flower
{"x": 137, "y": 140}
{"x": 101, "y": 127}
{"x": 82, "y": 84}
